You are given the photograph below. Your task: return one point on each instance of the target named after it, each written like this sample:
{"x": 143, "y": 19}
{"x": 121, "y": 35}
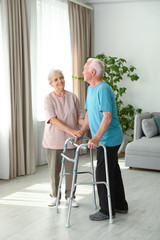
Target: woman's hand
{"x": 76, "y": 133}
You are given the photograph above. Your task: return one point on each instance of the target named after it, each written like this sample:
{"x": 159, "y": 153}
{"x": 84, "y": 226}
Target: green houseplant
{"x": 117, "y": 70}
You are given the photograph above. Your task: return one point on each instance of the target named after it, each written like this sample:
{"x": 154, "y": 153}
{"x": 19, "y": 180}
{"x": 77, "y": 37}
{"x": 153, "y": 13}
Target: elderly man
{"x": 102, "y": 119}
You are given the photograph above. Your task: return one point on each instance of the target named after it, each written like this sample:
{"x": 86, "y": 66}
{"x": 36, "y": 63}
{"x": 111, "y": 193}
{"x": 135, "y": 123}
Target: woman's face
{"x": 58, "y": 82}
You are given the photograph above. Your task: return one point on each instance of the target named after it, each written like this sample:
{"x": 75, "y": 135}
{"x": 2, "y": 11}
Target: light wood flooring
{"x": 24, "y": 214}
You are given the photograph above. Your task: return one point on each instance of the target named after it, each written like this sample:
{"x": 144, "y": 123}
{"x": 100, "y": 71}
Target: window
{"x": 51, "y": 49}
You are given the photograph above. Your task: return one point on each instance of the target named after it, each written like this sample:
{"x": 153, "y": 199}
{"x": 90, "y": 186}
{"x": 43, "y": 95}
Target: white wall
{"x": 131, "y": 30}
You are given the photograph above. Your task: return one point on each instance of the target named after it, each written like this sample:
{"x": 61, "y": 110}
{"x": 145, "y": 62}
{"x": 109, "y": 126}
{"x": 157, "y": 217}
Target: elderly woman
{"x": 63, "y": 114}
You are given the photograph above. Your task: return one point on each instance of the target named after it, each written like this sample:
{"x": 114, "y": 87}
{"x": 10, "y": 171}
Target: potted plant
{"x": 115, "y": 71}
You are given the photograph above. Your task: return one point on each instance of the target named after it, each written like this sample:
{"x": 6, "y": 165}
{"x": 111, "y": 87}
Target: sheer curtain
{"x": 50, "y": 48}
{"x": 4, "y": 108}
{"x": 53, "y": 46}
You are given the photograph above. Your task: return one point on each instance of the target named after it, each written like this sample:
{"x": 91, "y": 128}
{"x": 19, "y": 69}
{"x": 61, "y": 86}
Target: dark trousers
{"x": 115, "y": 179}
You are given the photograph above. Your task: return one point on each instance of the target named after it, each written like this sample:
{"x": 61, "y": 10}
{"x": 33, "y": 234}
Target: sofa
{"x": 144, "y": 150}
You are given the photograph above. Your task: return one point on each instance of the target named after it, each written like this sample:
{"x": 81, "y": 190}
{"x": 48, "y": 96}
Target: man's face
{"x": 87, "y": 73}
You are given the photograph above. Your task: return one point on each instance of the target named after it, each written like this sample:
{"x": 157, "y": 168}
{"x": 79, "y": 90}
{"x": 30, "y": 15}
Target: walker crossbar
{"x": 69, "y": 159}
{"x": 70, "y": 173}
{"x": 74, "y": 174}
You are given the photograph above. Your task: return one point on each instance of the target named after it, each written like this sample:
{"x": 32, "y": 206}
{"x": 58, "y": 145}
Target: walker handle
{"x": 83, "y": 138}
{"x": 79, "y": 139}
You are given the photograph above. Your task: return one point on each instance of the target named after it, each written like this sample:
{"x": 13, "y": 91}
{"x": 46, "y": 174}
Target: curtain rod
{"x": 114, "y": 1}
{"x": 81, "y": 4}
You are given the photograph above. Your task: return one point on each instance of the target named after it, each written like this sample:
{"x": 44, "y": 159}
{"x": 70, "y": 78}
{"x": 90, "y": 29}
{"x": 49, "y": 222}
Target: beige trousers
{"x": 54, "y": 159}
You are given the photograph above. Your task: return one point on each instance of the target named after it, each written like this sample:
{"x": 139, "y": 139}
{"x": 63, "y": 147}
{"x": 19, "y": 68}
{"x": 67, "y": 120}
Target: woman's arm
{"x": 60, "y": 125}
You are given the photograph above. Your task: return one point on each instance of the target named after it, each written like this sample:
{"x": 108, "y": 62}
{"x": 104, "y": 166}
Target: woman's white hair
{"x": 52, "y": 72}
{"x": 98, "y": 65}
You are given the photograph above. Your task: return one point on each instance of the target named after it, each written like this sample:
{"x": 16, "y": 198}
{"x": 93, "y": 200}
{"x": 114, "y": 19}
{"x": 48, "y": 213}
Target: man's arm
{"x": 106, "y": 120}
{"x": 84, "y": 127}
{"x": 80, "y": 121}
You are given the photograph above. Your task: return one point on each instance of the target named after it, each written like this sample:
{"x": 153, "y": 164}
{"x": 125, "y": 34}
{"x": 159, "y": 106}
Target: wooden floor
{"x": 24, "y": 214}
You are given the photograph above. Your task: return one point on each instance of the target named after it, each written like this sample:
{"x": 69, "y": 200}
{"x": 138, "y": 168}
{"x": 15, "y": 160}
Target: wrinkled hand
{"x": 93, "y": 143}
{"x": 79, "y": 134}
{"x": 76, "y": 134}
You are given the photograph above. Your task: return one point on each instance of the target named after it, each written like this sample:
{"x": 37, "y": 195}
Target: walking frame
{"x": 74, "y": 173}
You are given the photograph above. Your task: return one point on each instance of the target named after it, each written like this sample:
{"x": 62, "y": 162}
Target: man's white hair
{"x": 96, "y": 64}
{"x": 52, "y": 72}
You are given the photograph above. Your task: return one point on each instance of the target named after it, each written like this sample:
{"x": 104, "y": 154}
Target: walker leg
{"x": 108, "y": 187}
{"x": 93, "y": 180}
{"x": 110, "y": 208}
{"x": 59, "y": 186}
{"x": 67, "y": 225}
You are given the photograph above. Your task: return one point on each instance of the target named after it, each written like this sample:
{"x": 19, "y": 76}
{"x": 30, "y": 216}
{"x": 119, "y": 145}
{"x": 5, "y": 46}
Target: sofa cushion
{"x": 149, "y": 127}
{"x": 145, "y": 146}
{"x": 155, "y": 114}
{"x": 138, "y": 132}
{"x": 157, "y": 120}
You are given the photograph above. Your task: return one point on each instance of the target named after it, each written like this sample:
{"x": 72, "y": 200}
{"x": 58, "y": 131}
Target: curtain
{"x": 50, "y": 48}
{"x": 22, "y": 160}
{"x": 81, "y": 32}
{"x": 4, "y": 106}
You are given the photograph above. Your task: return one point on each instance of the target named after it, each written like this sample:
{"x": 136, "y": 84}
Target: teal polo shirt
{"x": 99, "y": 99}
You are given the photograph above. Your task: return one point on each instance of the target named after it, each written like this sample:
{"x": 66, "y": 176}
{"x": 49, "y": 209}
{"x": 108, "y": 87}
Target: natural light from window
{"x": 37, "y": 195}
{"x": 53, "y": 47}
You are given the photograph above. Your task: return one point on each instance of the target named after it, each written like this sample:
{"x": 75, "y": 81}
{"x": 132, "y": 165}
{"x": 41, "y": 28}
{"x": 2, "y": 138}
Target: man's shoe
{"x": 52, "y": 201}
{"x": 74, "y": 202}
{"x": 123, "y": 211}
{"x": 99, "y": 216}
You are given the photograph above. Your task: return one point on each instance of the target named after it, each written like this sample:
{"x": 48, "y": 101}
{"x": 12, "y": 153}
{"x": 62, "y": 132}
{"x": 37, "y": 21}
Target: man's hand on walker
{"x": 93, "y": 143}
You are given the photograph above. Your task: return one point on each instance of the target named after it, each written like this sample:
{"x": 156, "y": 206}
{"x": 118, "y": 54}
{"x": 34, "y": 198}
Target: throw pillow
{"x": 157, "y": 120}
{"x": 149, "y": 127}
